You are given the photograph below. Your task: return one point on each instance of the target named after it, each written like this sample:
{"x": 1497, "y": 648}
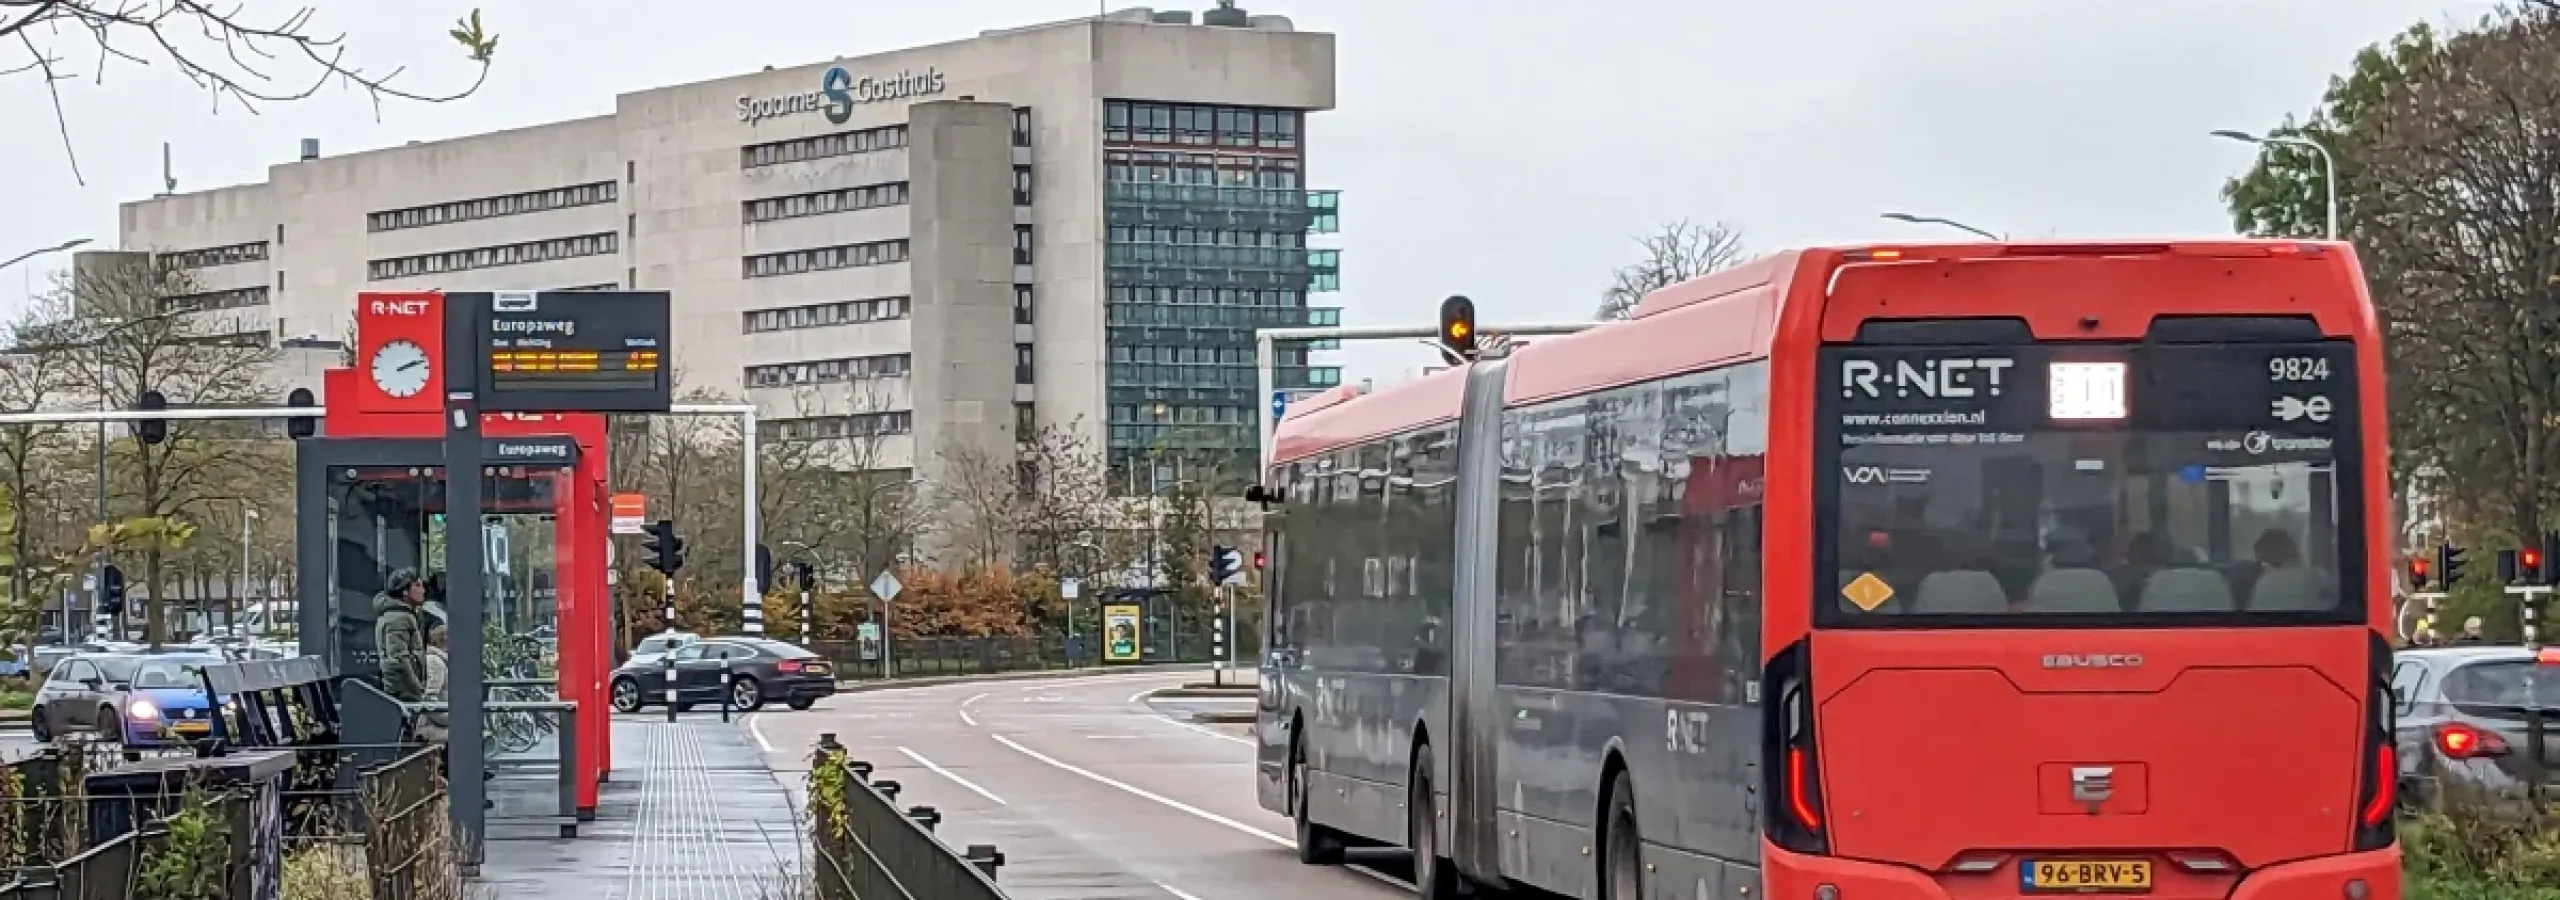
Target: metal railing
{"x": 864, "y": 848}
{"x": 405, "y": 801}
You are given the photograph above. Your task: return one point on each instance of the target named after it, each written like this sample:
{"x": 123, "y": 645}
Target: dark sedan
{"x": 2462, "y": 716}
{"x": 760, "y": 671}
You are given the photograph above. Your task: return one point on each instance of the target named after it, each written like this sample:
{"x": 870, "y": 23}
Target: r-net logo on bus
{"x": 1955, "y": 378}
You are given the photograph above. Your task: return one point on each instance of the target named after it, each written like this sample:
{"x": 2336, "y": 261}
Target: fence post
{"x": 986, "y": 858}
{"x": 725, "y": 692}
{"x": 925, "y": 815}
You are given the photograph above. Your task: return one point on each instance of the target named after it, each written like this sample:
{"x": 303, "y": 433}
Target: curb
{"x": 865, "y": 687}
{"x": 1204, "y": 693}
{"x": 1223, "y": 718}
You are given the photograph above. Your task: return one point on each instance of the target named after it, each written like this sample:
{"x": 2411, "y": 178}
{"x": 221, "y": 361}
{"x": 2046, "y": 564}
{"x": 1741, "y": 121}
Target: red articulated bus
{"x": 1947, "y": 572}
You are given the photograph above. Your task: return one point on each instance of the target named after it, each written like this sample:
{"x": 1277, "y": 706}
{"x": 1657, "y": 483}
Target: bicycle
{"x": 517, "y": 657}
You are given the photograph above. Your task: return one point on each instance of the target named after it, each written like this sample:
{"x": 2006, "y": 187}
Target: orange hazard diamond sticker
{"x": 1867, "y": 591}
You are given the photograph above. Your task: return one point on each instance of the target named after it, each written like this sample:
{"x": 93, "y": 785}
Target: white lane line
{"x": 964, "y": 709}
{"x": 758, "y": 734}
{"x": 973, "y": 698}
{"x": 1183, "y": 807}
{"x": 1212, "y": 732}
{"x": 966, "y": 717}
{"x": 1150, "y": 692}
{"x": 955, "y": 779}
{"x": 1177, "y": 893}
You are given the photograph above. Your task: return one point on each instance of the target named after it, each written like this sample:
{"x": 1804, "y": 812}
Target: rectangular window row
{"x": 1206, "y": 237}
{"x": 824, "y": 371}
{"x": 821, "y": 259}
{"x": 212, "y": 300}
{"x": 824, "y": 202}
{"x": 842, "y": 143}
{"x": 821, "y": 315}
{"x": 1203, "y": 296}
{"x": 492, "y": 207}
{"x": 1203, "y": 356}
{"x": 604, "y": 244}
{"x": 1194, "y": 125}
{"x": 607, "y": 286}
{"x": 206, "y": 258}
{"x": 1169, "y": 414}
{"x": 821, "y": 428}
{"x": 1224, "y": 170}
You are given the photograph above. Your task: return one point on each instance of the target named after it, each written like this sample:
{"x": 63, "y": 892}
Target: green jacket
{"x": 399, "y": 636}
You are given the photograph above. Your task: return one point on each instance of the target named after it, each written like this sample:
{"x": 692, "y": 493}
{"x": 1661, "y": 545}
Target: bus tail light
{"x": 1792, "y": 767}
{"x": 2459, "y": 741}
{"x": 2377, "y": 789}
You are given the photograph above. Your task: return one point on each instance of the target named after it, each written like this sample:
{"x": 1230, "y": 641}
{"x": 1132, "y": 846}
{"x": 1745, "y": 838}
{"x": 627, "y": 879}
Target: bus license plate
{"x": 2087, "y": 875}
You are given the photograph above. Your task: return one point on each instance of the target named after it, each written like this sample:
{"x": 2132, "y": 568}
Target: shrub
{"x": 2480, "y": 847}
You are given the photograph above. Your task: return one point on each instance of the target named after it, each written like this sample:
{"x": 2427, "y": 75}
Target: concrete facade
{"x": 847, "y": 242}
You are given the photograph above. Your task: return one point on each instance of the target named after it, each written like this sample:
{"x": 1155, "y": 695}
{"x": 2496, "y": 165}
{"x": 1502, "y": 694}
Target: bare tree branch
{"x": 1681, "y": 251}
{"x": 223, "y": 51}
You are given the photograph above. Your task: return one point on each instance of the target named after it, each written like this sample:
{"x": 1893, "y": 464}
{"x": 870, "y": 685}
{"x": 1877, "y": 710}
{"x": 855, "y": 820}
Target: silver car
{"x": 2462, "y": 718}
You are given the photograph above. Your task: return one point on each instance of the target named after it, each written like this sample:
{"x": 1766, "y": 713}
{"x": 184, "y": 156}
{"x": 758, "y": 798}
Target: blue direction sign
{"x": 1279, "y": 405}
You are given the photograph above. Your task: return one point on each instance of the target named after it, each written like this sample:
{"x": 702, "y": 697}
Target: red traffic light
{"x": 2418, "y": 569}
{"x": 2530, "y": 560}
{"x": 1260, "y": 560}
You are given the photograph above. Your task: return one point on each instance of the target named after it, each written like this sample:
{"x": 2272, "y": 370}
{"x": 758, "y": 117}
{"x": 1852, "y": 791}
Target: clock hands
{"x": 412, "y": 364}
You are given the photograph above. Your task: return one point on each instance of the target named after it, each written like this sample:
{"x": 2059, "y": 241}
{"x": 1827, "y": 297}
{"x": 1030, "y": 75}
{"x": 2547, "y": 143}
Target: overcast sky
{"x": 1499, "y": 148}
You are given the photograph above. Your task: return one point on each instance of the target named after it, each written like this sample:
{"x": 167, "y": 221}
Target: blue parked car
{"x": 137, "y": 700}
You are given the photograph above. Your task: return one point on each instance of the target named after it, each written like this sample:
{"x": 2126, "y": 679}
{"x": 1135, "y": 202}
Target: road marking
{"x": 1183, "y": 807}
{"x": 1176, "y": 892}
{"x": 964, "y": 708}
{"x": 966, "y": 717}
{"x": 758, "y": 733}
{"x": 947, "y": 773}
{"x": 1150, "y": 692}
{"x": 1212, "y": 732}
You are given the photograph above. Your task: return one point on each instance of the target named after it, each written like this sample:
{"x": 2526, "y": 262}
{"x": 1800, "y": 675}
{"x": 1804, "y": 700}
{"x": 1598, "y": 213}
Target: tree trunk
{"x": 156, "y": 625}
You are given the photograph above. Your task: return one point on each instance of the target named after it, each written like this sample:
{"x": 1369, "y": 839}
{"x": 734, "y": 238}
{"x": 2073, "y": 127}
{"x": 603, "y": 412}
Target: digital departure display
{"x": 574, "y": 351}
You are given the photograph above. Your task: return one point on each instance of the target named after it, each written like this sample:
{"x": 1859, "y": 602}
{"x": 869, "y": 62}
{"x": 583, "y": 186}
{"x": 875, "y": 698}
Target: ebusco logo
{"x": 839, "y": 92}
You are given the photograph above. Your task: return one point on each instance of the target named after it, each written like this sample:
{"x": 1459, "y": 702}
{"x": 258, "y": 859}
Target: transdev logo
{"x": 839, "y": 91}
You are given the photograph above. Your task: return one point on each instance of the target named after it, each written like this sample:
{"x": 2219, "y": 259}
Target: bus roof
{"x": 1719, "y": 319}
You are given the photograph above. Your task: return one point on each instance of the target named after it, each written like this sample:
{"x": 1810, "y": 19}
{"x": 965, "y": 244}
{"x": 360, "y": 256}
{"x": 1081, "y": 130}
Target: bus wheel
{"x": 1432, "y": 877}
{"x": 1622, "y": 847}
{"x": 1317, "y": 845}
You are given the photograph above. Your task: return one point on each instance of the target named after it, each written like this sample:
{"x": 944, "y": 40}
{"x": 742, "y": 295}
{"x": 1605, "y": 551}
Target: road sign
{"x": 630, "y": 514}
{"x": 886, "y": 586}
{"x": 1279, "y": 405}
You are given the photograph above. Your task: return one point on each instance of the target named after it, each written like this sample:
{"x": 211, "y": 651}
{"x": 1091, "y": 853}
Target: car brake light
{"x": 788, "y": 665}
{"x": 2379, "y": 790}
{"x": 1800, "y": 789}
{"x": 2550, "y": 656}
{"x": 1793, "y": 818}
{"x": 2377, "y": 810}
{"x": 2460, "y": 741}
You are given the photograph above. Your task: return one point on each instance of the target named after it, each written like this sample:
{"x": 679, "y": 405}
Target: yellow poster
{"x": 1120, "y": 634}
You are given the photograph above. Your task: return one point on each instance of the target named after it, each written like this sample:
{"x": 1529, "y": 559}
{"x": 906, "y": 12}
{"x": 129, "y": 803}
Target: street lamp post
{"x": 1934, "y": 220}
{"x": 2328, "y": 164}
{"x": 231, "y": 612}
{"x": 40, "y": 251}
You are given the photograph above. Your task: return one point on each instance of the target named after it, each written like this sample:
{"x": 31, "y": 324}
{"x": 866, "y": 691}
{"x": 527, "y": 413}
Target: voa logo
{"x": 1958, "y": 378}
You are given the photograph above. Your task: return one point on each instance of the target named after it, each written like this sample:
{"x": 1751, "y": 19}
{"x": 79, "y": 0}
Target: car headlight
{"x": 142, "y": 709}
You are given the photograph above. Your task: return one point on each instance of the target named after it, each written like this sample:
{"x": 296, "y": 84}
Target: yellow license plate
{"x": 193, "y": 727}
{"x": 2086, "y": 875}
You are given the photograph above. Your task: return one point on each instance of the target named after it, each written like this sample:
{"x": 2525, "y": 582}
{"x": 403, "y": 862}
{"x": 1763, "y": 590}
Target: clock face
{"x": 400, "y": 369}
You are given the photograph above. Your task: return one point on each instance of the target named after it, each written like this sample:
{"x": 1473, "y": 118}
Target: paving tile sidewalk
{"x": 691, "y": 812}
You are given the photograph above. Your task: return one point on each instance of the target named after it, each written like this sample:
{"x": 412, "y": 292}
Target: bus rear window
{"x": 2081, "y": 484}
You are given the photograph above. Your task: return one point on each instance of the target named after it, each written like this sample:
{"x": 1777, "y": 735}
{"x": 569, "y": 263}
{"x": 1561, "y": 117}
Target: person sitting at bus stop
{"x": 399, "y": 636}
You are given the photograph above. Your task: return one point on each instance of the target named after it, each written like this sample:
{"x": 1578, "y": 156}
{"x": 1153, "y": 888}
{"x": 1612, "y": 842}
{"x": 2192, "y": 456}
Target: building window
{"x": 1022, "y": 126}
{"x": 594, "y": 194}
{"x": 822, "y": 259}
{"x": 1026, "y": 420}
{"x": 843, "y": 143}
{"x": 1022, "y": 185}
{"x": 827, "y": 371}
{"x": 212, "y": 300}
{"x": 1022, "y": 304}
{"x": 631, "y": 171}
{"x": 1022, "y": 363}
{"x": 821, "y": 315}
{"x": 823, "y": 202}
{"x": 279, "y": 281}
{"x": 606, "y": 286}
{"x": 603, "y": 244}
{"x": 279, "y": 235}
{"x": 1196, "y": 125}
{"x": 821, "y": 428}
{"x": 1022, "y": 245}
{"x": 209, "y": 257}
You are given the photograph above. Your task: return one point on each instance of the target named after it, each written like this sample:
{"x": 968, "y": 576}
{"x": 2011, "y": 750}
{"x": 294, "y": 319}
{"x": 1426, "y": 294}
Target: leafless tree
{"x": 1680, "y": 251}
{"x": 32, "y": 374}
{"x": 1066, "y": 498}
{"x": 977, "y": 496}
{"x": 223, "y": 49}
{"x": 135, "y": 332}
{"x": 2460, "y": 231}
{"x": 842, "y": 499}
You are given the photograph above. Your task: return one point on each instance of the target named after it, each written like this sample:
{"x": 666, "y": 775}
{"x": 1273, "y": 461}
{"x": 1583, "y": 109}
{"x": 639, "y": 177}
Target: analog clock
{"x": 400, "y": 369}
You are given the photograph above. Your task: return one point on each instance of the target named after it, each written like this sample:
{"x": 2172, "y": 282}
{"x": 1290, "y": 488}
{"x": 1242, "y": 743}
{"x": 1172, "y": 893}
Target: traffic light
{"x": 1226, "y": 565}
{"x": 666, "y": 550}
{"x": 1261, "y": 560}
{"x": 806, "y": 574}
{"x": 764, "y": 568}
{"x": 111, "y": 591}
{"x": 153, "y": 431}
{"x": 2418, "y": 567}
{"x": 301, "y": 426}
{"x": 2449, "y": 563}
{"x": 2529, "y": 565}
{"x": 1458, "y": 326}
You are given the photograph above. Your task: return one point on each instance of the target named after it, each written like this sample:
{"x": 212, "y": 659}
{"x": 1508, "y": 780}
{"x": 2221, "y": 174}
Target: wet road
{"x": 1089, "y": 789}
